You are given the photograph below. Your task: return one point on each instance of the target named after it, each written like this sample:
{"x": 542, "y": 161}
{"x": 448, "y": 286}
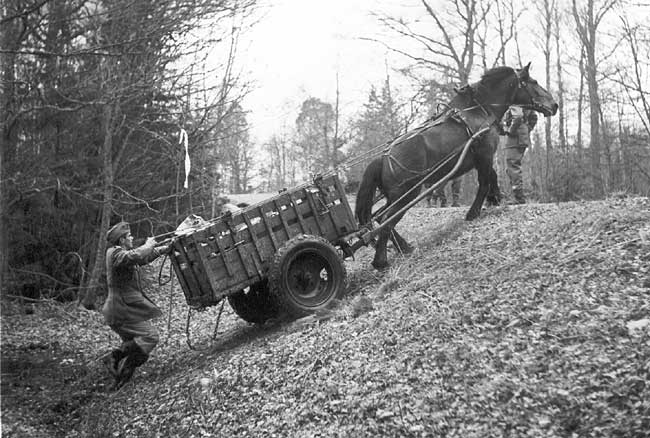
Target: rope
{"x": 384, "y": 148}
{"x": 171, "y": 293}
{"x": 372, "y": 153}
{"x": 171, "y": 301}
{"x": 214, "y": 334}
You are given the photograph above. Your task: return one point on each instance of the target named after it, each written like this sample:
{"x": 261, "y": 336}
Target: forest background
{"x": 94, "y": 94}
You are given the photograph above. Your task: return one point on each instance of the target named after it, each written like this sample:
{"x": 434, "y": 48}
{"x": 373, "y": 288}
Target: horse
{"x": 407, "y": 162}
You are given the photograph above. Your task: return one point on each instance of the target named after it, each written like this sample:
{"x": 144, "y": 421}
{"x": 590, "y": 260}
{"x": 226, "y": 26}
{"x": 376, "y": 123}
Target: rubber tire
{"x": 255, "y": 304}
{"x": 326, "y": 282}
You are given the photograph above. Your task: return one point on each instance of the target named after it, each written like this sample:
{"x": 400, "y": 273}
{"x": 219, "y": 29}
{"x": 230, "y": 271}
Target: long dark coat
{"x": 126, "y": 303}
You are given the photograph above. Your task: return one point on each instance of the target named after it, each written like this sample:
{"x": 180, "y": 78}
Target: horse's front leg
{"x": 381, "y": 259}
{"x": 483, "y": 187}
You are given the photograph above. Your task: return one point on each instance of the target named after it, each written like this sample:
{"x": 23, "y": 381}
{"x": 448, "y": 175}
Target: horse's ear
{"x": 523, "y": 73}
{"x": 465, "y": 89}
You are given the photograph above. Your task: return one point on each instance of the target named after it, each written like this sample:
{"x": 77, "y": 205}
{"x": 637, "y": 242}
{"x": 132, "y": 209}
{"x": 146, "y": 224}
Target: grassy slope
{"x": 513, "y": 325}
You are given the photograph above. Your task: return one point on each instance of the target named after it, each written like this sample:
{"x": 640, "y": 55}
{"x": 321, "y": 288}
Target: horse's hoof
{"x": 407, "y": 250}
{"x": 471, "y": 216}
{"x": 380, "y": 266}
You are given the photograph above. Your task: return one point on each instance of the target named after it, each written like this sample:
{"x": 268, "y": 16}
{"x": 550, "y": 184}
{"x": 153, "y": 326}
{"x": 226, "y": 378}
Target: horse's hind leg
{"x": 494, "y": 193}
{"x": 381, "y": 258}
{"x": 389, "y": 232}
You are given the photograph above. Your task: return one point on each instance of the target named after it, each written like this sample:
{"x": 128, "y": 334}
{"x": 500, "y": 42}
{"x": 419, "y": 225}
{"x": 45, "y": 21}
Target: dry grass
{"x": 516, "y": 324}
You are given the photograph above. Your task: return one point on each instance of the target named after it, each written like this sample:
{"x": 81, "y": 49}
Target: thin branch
{"x": 26, "y": 12}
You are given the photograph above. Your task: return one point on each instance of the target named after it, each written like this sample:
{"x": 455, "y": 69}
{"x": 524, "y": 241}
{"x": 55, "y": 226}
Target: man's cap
{"x": 118, "y": 230}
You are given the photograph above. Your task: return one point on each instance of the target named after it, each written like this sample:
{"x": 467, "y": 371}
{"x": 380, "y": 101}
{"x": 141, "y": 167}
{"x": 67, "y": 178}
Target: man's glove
{"x": 163, "y": 249}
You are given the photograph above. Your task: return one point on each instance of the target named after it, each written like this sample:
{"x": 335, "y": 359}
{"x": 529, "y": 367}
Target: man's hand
{"x": 164, "y": 249}
{"x": 150, "y": 241}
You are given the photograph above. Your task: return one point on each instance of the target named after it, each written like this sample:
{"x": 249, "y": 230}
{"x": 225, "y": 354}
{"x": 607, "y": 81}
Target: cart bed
{"x": 235, "y": 250}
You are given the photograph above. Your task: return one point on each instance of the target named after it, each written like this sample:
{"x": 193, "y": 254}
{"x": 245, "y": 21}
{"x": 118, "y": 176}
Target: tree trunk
{"x": 560, "y": 86}
{"x": 8, "y": 134}
{"x": 581, "y": 93}
{"x": 548, "y": 32}
{"x": 337, "y": 115}
{"x": 100, "y": 255}
{"x": 587, "y": 20}
{"x": 594, "y": 121}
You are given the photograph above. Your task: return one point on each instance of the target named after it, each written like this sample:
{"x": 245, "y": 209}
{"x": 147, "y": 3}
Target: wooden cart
{"x": 283, "y": 254}
{"x": 286, "y": 254}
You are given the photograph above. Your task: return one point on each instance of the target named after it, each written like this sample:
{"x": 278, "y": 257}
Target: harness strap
{"x": 392, "y": 159}
{"x": 458, "y": 115}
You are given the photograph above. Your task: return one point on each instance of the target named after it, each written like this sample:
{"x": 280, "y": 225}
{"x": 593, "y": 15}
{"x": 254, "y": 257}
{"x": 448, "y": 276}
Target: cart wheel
{"x": 306, "y": 275}
{"x": 254, "y": 303}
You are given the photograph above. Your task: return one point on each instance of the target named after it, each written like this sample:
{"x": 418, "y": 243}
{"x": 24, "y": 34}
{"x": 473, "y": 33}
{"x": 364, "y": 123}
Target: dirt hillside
{"x": 530, "y": 321}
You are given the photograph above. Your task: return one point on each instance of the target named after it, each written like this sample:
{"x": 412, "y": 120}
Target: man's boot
{"x": 440, "y": 194}
{"x": 133, "y": 358}
{"x": 519, "y": 196}
{"x": 111, "y": 359}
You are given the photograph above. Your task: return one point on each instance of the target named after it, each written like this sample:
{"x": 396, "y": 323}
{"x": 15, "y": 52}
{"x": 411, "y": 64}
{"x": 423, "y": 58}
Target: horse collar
{"x": 473, "y": 123}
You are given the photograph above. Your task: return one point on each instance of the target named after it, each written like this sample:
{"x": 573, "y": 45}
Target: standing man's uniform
{"x": 440, "y": 194}
{"x": 127, "y": 309}
{"x": 519, "y": 122}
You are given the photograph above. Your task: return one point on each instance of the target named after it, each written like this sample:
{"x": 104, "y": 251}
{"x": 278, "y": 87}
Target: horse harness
{"x": 464, "y": 116}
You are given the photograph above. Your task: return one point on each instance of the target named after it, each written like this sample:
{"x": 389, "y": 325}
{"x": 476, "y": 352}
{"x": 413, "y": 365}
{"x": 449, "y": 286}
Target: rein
{"x": 453, "y": 114}
{"x": 384, "y": 149}
{"x": 489, "y": 119}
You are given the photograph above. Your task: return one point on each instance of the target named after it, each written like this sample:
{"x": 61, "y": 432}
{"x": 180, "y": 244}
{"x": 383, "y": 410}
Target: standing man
{"x": 519, "y": 122}
{"x": 440, "y": 194}
{"x": 127, "y": 310}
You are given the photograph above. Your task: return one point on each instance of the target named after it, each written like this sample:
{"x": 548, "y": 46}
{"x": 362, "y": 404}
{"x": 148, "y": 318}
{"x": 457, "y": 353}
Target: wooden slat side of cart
{"x": 235, "y": 251}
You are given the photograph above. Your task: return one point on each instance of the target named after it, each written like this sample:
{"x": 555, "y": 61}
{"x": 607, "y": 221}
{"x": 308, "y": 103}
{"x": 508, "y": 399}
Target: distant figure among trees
{"x": 439, "y": 193}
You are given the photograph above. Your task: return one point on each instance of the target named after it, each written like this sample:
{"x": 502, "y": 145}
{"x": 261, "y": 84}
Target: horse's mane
{"x": 489, "y": 78}
{"x": 478, "y": 89}
{"x": 496, "y": 74}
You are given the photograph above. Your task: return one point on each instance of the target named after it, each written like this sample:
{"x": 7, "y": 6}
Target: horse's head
{"x": 531, "y": 94}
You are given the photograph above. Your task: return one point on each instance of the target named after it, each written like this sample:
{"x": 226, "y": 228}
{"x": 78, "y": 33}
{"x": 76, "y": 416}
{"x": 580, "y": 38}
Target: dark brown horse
{"x": 475, "y": 107}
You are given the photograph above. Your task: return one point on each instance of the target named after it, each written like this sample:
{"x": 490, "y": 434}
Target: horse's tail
{"x": 365, "y": 197}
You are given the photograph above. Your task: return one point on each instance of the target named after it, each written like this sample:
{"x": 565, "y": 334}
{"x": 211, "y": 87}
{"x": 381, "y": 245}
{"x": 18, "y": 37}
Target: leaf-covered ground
{"x": 531, "y": 321}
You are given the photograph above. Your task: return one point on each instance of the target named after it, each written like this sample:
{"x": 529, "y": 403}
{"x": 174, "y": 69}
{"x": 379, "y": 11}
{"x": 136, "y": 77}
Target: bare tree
{"x": 281, "y": 170}
{"x": 15, "y": 29}
{"x": 448, "y": 47}
{"x": 7, "y": 133}
{"x": 545, "y": 11}
{"x": 560, "y": 81}
{"x": 104, "y": 95}
{"x": 635, "y": 82}
{"x": 315, "y": 128}
{"x": 588, "y": 16}
{"x": 501, "y": 17}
